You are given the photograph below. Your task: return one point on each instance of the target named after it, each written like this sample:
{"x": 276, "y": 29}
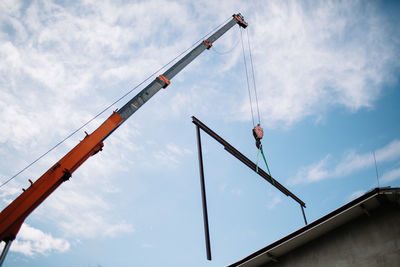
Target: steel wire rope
{"x": 254, "y": 79}
{"x": 260, "y": 149}
{"x": 110, "y": 105}
{"x": 247, "y": 78}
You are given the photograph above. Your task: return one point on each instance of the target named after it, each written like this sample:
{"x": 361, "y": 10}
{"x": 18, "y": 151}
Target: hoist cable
{"x": 247, "y": 78}
{"x": 254, "y": 79}
{"x": 110, "y": 105}
{"x": 260, "y": 149}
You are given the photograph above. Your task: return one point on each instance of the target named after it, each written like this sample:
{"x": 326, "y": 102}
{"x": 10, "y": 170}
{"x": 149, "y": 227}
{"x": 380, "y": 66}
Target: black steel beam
{"x": 228, "y": 147}
{"x": 304, "y": 215}
{"x": 203, "y": 195}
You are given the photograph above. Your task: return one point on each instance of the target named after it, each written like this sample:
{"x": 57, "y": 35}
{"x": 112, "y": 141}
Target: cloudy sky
{"x": 326, "y": 74}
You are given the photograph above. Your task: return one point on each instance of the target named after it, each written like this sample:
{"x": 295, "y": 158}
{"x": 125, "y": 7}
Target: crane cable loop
{"x": 228, "y": 50}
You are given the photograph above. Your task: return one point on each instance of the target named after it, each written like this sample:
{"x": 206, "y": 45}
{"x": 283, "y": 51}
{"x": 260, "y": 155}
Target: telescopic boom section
{"x": 163, "y": 80}
{"x": 12, "y": 217}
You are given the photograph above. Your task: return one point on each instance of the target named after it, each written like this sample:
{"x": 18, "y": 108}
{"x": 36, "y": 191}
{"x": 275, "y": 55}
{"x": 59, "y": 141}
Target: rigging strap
{"x": 265, "y": 160}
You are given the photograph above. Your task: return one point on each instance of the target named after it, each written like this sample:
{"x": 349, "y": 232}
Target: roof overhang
{"x": 359, "y": 206}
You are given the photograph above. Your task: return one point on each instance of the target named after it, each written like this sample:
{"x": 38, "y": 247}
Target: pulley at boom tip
{"x": 240, "y": 20}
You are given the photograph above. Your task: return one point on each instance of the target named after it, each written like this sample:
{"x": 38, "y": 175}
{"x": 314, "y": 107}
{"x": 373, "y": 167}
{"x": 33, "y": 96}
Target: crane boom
{"x": 163, "y": 80}
{"x": 12, "y": 217}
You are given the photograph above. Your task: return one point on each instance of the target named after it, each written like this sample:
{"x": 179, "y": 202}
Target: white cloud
{"x": 82, "y": 208}
{"x": 147, "y": 246}
{"x": 31, "y": 241}
{"x": 390, "y": 176}
{"x": 307, "y": 60}
{"x": 54, "y": 56}
{"x": 171, "y": 156}
{"x": 389, "y": 152}
{"x": 236, "y": 192}
{"x": 12, "y": 190}
{"x": 274, "y": 202}
{"x": 310, "y": 59}
{"x": 81, "y": 214}
{"x": 315, "y": 172}
{"x": 351, "y": 162}
{"x": 356, "y": 194}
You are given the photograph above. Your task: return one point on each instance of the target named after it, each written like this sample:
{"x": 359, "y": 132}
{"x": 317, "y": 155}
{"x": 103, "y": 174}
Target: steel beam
{"x": 304, "y": 215}
{"x": 228, "y": 147}
{"x": 203, "y": 196}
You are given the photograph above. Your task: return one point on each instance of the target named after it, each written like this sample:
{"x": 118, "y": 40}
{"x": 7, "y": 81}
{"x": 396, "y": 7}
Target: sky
{"x": 328, "y": 90}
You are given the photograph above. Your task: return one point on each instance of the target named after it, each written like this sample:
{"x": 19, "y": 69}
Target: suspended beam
{"x": 228, "y": 147}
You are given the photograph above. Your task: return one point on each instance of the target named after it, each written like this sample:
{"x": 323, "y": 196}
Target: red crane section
{"x": 12, "y": 217}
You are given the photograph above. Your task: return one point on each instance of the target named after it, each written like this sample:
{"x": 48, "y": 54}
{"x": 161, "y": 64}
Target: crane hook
{"x": 258, "y": 134}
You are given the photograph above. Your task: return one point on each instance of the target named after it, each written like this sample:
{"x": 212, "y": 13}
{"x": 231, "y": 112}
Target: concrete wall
{"x": 366, "y": 241}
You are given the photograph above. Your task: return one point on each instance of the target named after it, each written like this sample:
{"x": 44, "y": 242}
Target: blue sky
{"x": 328, "y": 89}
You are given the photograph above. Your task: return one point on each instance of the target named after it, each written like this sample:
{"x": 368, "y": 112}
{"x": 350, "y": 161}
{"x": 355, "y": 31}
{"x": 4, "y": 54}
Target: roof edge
{"x": 372, "y": 193}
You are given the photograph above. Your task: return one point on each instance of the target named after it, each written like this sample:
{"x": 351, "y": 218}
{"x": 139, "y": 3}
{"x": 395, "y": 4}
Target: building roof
{"x": 361, "y": 205}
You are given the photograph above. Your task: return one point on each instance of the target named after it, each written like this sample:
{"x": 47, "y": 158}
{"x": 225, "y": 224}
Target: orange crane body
{"x": 12, "y": 217}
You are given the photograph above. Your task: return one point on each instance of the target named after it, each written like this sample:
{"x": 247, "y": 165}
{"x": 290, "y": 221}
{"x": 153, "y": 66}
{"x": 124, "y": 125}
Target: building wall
{"x": 366, "y": 241}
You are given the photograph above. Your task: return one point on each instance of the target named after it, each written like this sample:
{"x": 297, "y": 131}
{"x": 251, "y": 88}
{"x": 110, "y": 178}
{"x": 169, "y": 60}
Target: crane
{"x": 13, "y": 216}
